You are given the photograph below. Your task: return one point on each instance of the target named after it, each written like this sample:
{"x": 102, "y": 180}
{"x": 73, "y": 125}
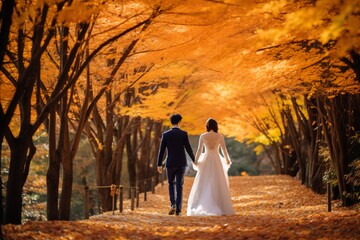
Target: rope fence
{"x": 134, "y": 193}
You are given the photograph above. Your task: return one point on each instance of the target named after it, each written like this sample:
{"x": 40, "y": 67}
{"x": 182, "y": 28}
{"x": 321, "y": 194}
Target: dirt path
{"x": 267, "y": 207}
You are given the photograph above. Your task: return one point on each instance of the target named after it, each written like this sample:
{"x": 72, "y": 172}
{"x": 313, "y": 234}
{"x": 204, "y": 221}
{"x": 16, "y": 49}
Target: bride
{"x": 210, "y": 194}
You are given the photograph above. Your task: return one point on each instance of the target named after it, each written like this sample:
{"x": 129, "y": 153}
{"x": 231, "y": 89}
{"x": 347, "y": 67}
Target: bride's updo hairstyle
{"x": 211, "y": 124}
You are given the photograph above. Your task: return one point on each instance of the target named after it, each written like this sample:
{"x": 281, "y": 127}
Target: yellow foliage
{"x": 339, "y": 23}
{"x": 203, "y": 59}
{"x": 258, "y": 149}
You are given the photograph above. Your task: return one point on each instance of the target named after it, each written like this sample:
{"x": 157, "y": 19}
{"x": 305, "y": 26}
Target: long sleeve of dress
{"x": 199, "y": 149}
{"x": 224, "y": 150}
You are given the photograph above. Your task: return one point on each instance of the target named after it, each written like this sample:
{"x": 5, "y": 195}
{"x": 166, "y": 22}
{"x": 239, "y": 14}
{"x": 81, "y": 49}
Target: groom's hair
{"x": 175, "y": 118}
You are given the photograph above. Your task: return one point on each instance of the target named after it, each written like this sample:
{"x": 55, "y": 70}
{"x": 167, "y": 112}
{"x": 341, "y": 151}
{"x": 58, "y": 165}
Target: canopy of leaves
{"x": 217, "y": 59}
{"x": 222, "y": 59}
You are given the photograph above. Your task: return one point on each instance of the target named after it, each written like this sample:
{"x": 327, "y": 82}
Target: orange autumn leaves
{"x": 210, "y": 58}
{"x": 267, "y": 207}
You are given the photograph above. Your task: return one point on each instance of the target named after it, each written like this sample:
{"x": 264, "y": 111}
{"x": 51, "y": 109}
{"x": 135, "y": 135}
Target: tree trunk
{"x": 295, "y": 143}
{"x": 131, "y": 145}
{"x": 155, "y": 145}
{"x": 279, "y": 167}
{"x": 339, "y": 142}
{"x": 314, "y": 138}
{"x": 67, "y": 164}
{"x": 15, "y": 181}
{"x": 119, "y": 149}
{"x": 143, "y": 165}
{"x": 102, "y": 143}
{"x": 1, "y": 186}
{"x": 108, "y": 167}
{"x": 53, "y": 173}
{"x": 334, "y": 129}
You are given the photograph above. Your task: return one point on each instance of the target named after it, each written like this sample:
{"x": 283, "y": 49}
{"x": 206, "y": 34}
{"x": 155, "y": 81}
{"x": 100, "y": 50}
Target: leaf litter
{"x": 267, "y": 207}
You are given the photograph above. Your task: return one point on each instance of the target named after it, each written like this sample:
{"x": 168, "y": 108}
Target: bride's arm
{"x": 224, "y": 150}
{"x": 199, "y": 149}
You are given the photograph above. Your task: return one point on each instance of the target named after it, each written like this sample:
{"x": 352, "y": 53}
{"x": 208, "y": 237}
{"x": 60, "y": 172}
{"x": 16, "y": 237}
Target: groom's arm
{"x": 161, "y": 151}
{"x": 188, "y": 148}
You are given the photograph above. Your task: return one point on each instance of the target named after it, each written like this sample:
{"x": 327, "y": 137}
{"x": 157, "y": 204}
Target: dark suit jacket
{"x": 176, "y": 141}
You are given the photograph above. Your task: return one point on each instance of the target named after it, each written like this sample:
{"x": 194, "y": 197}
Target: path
{"x": 267, "y": 207}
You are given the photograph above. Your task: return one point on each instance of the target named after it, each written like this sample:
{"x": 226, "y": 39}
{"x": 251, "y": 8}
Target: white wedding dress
{"x": 210, "y": 193}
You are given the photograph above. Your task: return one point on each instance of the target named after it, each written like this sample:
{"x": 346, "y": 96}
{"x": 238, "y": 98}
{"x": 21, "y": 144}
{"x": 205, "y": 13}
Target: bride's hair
{"x": 211, "y": 124}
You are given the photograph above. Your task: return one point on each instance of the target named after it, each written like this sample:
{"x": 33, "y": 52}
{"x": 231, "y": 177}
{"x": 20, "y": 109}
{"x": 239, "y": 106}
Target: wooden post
{"x": 328, "y": 189}
{"x": 113, "y": 193}
{"x": 113, "y": 204}
{"x": 86, "y": 202}
{"x": 145, "y": 190}
{"x": 132, "y": 193}
{"x": 153, "y": 185}
{"x": 137, "y": 196}
{"x": 86, "y": 199}
{"x": 121, "y": 199}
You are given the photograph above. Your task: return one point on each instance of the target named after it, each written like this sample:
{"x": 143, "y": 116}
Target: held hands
{"x": 159, "y": 169}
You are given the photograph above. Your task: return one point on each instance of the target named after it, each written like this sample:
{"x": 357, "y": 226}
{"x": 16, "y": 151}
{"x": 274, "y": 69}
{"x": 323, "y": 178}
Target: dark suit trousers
{"x": 176, "y": 181}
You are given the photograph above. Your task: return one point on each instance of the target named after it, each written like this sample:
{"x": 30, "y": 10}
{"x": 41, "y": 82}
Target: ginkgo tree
{"x": 328, "y": 79}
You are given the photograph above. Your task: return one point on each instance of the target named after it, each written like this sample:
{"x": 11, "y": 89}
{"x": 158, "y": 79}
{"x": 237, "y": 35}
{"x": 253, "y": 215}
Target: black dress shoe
{"x": 178, "y": 213}
{"x": 172, "y": 210}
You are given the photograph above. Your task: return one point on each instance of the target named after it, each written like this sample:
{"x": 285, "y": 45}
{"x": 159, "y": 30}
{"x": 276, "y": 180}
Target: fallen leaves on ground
{"x": 267, "y": 207}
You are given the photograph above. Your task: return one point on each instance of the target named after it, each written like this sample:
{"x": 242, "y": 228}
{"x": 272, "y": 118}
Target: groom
{"x": 176, "y": 141}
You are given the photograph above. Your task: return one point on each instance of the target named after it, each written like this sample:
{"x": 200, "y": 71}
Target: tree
{"x": 23, "y": 81}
